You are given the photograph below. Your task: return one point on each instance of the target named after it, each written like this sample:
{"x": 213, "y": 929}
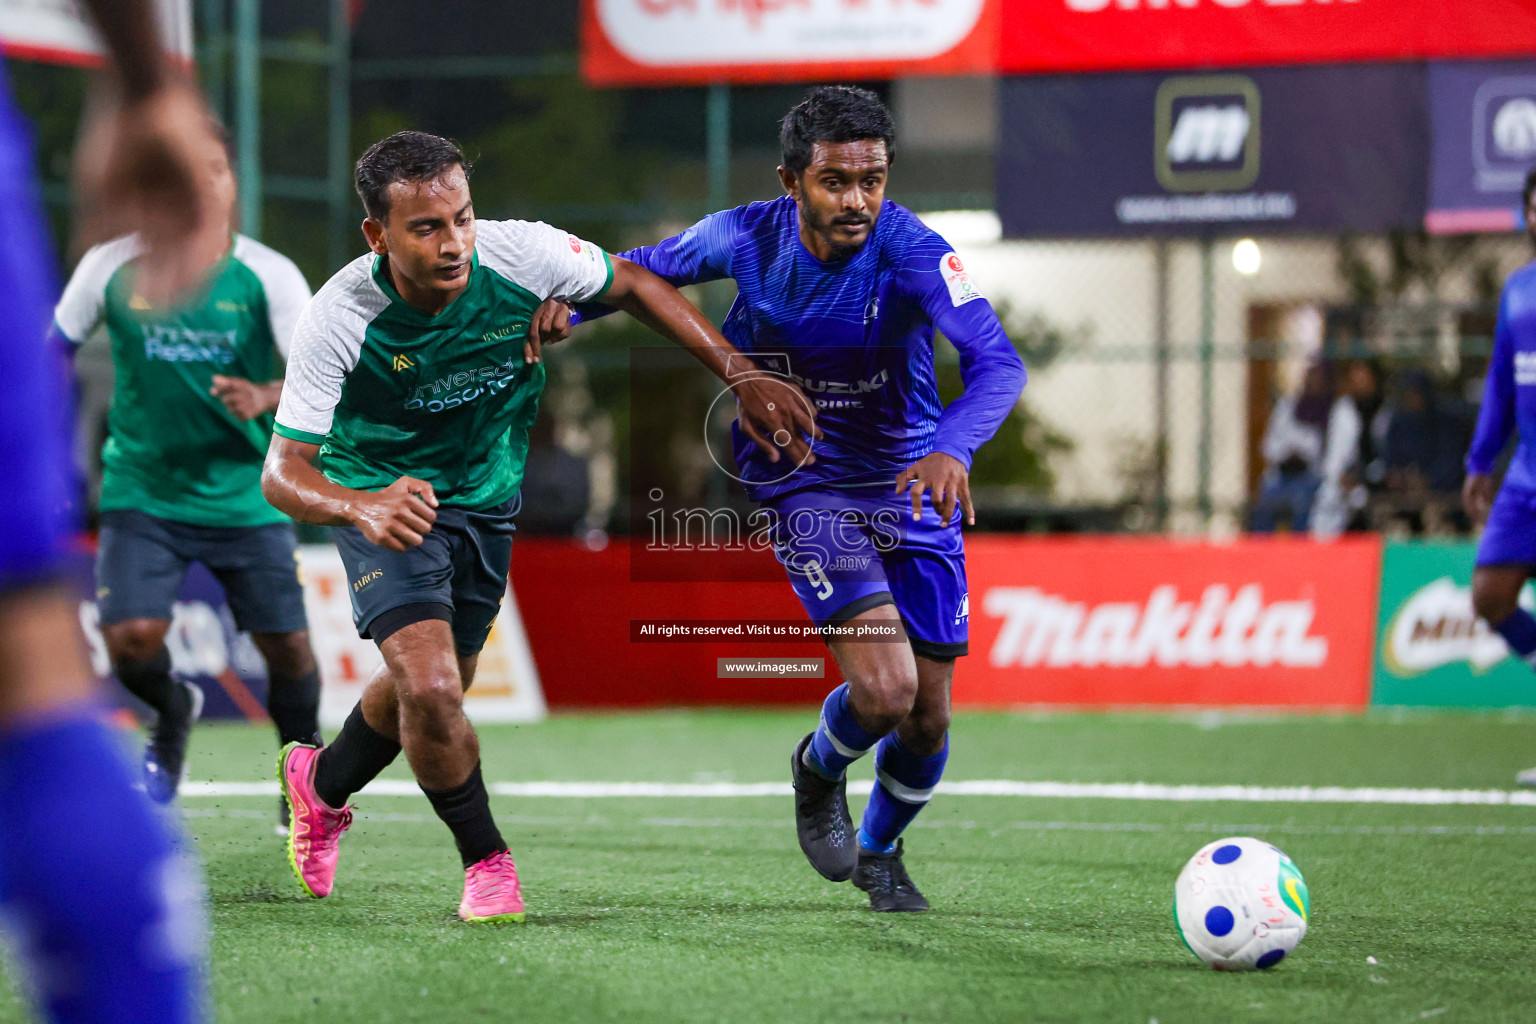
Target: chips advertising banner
{"x": 693, "y": 42}
{"x": 1431, "y": 650}
{"x": 1267, "y": 149}
{"x": 1262, "y": 622}
{"x": 58, "y": 31}
{"x": 1483, "y": 120}
{"x": 1104, "y": 35}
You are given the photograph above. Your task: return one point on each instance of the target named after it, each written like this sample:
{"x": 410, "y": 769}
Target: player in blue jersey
{"x": 102, "y": 908}
{"x": 842, "y": 291}
{"x": 1506, "y": 554}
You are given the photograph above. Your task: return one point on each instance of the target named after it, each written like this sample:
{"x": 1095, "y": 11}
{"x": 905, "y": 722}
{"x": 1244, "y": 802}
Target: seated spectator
{"x": 1293, "y": 449}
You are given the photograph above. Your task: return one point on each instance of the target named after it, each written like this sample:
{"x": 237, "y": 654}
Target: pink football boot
{"x": 492, "y": 893}
{"x": 316, "y": 827}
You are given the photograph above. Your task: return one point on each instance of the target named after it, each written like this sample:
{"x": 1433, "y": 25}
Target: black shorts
{"x": 143, "y": 559}
{"x": 458, "y": 574}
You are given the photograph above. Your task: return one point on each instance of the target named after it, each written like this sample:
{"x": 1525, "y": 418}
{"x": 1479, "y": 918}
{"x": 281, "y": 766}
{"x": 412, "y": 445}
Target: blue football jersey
{"x": 34, "y": 417}
{"x": 1509, "y": 397}
{"x": 857, "y": 335}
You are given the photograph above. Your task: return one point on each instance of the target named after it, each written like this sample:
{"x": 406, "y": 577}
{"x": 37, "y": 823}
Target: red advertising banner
{"x": 691, "y": 42}
{"x": 1119, "y": 35}
{"x": 1267, "y": 622}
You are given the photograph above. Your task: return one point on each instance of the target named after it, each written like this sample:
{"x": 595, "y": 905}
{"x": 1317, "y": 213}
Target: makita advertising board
{"x": 1483, "y": 119}
{"x": 1263, "y": 622}
{"x": 682, "y": 42}
{"x": 1431, "y": 650}
{"x": 1263, "y": 150}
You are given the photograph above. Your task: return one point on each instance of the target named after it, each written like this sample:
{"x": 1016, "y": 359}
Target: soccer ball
{"x": 1240, "y": 905}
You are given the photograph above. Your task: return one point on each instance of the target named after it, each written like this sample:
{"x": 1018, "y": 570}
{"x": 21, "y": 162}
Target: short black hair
{"x": 404, "y": 156}
{"x": 1530, "y": 187}
{"x": 834, "y": 113}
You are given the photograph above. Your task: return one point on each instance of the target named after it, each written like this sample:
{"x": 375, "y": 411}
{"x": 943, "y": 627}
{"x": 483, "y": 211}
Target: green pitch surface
{"x": 672, "y": 909}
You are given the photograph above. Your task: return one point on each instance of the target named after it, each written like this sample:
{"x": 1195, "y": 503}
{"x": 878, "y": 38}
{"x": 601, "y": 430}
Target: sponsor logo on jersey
{"x": 963, "y": 613}
{"x": 1221, "y": 628}
{"x": 168, "y": 344}
{"x": 402, "y": 362}
{"x": 229, "y": 306}
{"x": 575, "y": 243}
{"x": 502, "y": 332}
{"x": 1207, "y": 133}
{"x": 1525, "y": 368}
{"x": 842, "y": 387}
{"x": 367, "y": 578}
{"x": 456, "y": 389}
{"x": 961, "y": 288}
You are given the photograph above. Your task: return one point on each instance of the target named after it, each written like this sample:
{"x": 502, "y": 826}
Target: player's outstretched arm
{"x": 774, "y": 413}
{"x": 397, "y": 518}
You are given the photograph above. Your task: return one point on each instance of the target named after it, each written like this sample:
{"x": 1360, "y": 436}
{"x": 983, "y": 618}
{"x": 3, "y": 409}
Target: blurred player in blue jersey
{"x": 1506, "y": 555}
{"x": 101, "y": 908}
{"x": 842, "y": 291}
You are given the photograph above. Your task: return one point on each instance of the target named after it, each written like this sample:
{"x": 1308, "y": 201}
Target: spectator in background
{"x": 1293, "y": 452}
{"x": 1352, "y": 462}
{"x": 1408, "y": 454}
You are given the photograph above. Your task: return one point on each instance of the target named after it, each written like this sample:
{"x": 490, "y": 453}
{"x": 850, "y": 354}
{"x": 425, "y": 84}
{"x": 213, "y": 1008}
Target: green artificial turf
{"x": 682, "y": 910}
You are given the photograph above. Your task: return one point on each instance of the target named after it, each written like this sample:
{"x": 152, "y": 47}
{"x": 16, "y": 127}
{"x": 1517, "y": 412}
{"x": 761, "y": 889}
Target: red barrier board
{"x": 1260, "y": 622}
{"x": 695, "y": 42}
{"x": 1123, "y": 35}
{"x": 1269, "y": 622}
{"x": 577, "y": 606}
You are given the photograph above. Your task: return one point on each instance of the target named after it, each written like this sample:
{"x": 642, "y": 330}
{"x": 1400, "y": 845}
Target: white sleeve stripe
{"x": 327, "y": 340}
{"x": 84, "y": 300}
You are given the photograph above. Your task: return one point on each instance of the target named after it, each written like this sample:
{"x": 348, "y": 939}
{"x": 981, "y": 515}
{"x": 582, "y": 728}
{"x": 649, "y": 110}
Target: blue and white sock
{"x": 106, "y": 912}
{"x": 839, "y": 740}
{"x": 1519, "y": 631}
{"x": 904, "y": 783}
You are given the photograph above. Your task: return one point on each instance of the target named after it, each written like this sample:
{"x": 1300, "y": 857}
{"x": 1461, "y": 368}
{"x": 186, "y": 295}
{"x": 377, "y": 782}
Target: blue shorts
{"x": 143, "y": 559}
{"x": 847, "y": 553}
{"x": 1509, "y": 538}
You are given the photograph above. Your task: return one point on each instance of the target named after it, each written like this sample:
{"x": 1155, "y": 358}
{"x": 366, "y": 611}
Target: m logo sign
{"x": 1207, "y": 134}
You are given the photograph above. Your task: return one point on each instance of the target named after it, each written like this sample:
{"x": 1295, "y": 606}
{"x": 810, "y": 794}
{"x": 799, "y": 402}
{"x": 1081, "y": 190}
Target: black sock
{"x": 294, "y": 705}
{"x": 466, "y": 809}
{"x": 151, "y": 682}
{"x": 353, "y": 759}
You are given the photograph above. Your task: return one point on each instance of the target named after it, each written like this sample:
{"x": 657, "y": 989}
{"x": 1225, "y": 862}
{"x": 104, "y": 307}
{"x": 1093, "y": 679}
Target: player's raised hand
{"x": 1477, "y": 495}
{"x": 777, "y": 416}
{"x": 244, "y": 400}
{"x": 947, "y": 482}
{"x": 141, "y": 166}
{"x": 551, "y": 323}
{"x": 398, "y": 517}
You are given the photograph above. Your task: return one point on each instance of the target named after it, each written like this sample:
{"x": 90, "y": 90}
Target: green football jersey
{"x": 388, "y": 391}
{"x": 172, "y": 448}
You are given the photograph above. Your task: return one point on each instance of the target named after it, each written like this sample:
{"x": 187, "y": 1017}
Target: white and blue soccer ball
{"x": 1241, "y": 905}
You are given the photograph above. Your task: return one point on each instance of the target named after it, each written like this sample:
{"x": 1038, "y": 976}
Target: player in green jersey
{"x": 408, "y": 388}
{"x": 191, "y": 415}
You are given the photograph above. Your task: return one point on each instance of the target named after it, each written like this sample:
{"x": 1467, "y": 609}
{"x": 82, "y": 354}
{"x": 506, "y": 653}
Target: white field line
{"x": 994, "y": 829}
{"x": 982, "y": 787}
